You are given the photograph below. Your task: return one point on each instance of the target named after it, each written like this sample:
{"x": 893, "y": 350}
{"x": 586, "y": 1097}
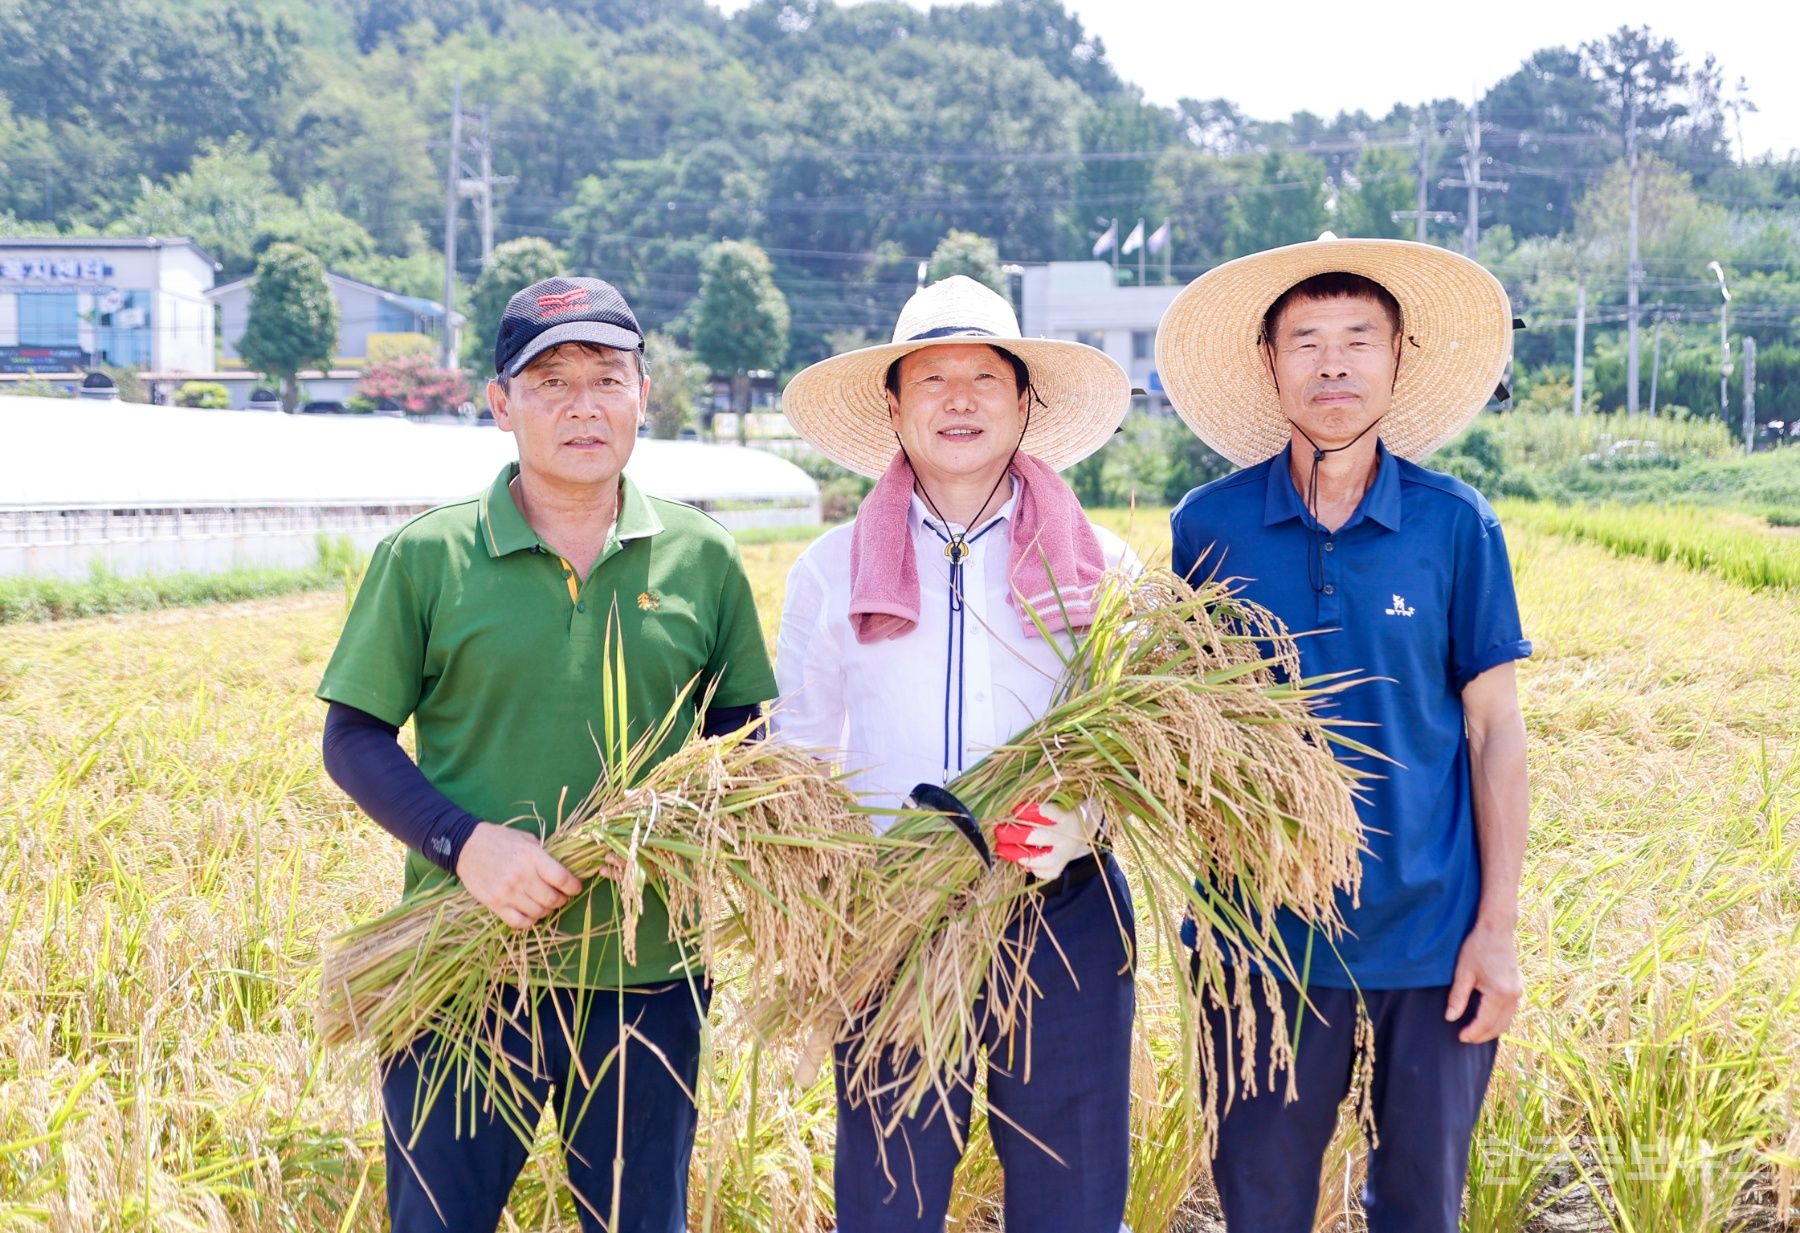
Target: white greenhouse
{"x": 143, "y": 489}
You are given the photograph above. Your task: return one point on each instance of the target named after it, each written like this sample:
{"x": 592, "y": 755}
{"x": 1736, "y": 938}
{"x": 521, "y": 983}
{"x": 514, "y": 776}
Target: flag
{"x": 1159, "y": 239}
{"x": 1107, "y": 239}
{"x": 1135, "y": 240}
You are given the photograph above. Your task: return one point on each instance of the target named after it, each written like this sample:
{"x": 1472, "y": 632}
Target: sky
{"x": 1276, "y": 58}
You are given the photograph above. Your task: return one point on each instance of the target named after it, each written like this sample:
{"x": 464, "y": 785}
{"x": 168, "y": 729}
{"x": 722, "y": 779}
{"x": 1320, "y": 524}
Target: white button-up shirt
{"x": 885, "y": 711}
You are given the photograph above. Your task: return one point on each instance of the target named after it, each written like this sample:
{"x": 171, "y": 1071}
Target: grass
{"x": 26, "y": 598}
{"x": 171, "y": 858}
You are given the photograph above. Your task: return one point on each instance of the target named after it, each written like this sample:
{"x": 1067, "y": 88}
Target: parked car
{"x": 322, "y": 406}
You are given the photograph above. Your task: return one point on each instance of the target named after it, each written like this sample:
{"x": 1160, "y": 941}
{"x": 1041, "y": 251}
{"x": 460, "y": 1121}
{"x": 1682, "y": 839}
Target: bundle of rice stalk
{"x": 751, "y": 844}
{"x": 1182, "y": 713}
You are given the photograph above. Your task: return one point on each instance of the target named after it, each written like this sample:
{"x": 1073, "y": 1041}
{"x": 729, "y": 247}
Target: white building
{"x": 1082, "y": 301}
{"x": 364, "y": 311}
{"x": 68, "y": 304}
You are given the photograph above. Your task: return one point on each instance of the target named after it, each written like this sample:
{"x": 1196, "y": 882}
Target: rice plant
{"x": 1736, "y": 547}
{"x": 172, "y": 859}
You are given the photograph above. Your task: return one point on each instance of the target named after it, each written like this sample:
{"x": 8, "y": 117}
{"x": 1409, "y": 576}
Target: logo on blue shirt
{"x": 1400, "y": 608}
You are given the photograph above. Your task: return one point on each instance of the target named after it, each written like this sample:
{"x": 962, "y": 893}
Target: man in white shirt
{"x": 907, "y": 650}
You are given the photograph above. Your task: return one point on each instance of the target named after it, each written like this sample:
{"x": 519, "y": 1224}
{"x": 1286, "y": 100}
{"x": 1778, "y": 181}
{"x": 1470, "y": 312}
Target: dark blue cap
{"x": 563, "y": 310}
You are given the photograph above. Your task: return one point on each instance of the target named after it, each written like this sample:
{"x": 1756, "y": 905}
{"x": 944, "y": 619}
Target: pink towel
{"x": 1047, "y": 529}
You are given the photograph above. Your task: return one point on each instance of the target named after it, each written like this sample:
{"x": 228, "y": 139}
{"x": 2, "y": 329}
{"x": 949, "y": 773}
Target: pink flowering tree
{"x": 417, "y": 384}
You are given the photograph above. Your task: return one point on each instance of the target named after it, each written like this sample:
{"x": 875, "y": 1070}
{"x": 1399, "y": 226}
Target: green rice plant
{"x": 1673, "y": 1128}
{"x": 1516, "y": 1149}
{"x": 1735, "y": 547}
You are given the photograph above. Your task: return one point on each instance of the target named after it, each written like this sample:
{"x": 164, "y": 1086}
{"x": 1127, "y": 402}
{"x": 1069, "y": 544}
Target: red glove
{"x": 1045, "y": 837}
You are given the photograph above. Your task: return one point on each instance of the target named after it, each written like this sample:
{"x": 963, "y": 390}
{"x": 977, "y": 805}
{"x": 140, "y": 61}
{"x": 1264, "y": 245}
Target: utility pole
{"x": 452, "y": 195}
{"x": 481, "y": 188}
{"x": 1471, "y": 180}
{"x": 1423, "y": 193}
{"x": 1656, "y": 358}
{"x": 1724, "y": 343}
{"x": 1419, "y": 213}
{"x": 1634, "y": 273}
{"x": 1580, "y": 340}
{"x": 1749, "y": 394}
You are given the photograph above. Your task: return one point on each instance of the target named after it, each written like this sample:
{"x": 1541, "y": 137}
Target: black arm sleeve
{"x": 363, "y": 756}
{"x": 718, "y": 720}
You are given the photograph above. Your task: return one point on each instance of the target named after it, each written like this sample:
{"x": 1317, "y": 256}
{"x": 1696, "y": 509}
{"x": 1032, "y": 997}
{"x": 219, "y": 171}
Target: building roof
{"x": 412, "y": 303}
{"x": 105, "y": 241}
{"x": 70, "y": 454}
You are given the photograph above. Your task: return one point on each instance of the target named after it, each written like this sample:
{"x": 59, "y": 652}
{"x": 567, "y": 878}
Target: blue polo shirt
{"x": 1416, "y": 591}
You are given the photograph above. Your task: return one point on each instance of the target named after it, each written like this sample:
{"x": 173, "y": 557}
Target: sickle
{"x": 933, "y": 799}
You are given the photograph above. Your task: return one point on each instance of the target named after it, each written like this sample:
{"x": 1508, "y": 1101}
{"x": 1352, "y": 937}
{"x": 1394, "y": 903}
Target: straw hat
{"x": 1455, "y": 316}
{"x": 840, "y": 404}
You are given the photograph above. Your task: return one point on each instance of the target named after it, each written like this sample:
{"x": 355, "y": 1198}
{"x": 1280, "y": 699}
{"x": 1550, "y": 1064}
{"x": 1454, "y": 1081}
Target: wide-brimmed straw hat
{"x": 1455, "y": 318}
{"x": 840, "y": 405}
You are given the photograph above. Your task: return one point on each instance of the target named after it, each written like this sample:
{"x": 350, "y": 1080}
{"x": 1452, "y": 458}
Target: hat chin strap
{"x": 1315, "y": 555}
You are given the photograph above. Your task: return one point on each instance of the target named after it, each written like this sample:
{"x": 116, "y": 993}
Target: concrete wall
{"x": 183, "y": 316}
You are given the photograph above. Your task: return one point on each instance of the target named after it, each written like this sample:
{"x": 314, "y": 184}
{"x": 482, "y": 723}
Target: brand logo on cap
{"x": 563, "y": 301}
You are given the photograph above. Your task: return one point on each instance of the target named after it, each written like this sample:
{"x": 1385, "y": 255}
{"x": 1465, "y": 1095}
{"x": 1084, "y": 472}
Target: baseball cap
{"x": 562, "y": 310}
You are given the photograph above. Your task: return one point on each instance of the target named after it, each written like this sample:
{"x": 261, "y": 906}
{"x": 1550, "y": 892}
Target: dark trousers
{"x": 1077, "y": 1101}
{"x": 1425, "y": 1096}
{"x": 454, "y": 1169}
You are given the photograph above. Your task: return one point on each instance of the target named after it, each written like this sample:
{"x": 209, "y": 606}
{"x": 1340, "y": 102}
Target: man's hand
{"x": 1044, "y": 838}
{"x": 509, "y": 871}
{"x": 1488, "y": 963}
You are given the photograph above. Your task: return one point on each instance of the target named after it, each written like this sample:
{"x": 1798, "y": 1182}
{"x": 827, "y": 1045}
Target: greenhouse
{"x": 163, "y": 489}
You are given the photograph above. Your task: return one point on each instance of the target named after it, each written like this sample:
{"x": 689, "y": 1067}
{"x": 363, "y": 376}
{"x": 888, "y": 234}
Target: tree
{"x": 516, "y": 265}
{"x": 1123, "y": 185}
{"x": 1383, "y": 182}
{"x": 156, "y": 80}
{"x": 677, "y": 384}
{"x": 964, "y": 252}
{"x": 1551, "y": 117}
{"x": 293, "y": 319}
{"x": 228, "y": 201}
{"x": 1283, "y": 204}
{"x": 741, "y": 321}
{"x": 356, "y": 134}
{"x": 317, "y": 226}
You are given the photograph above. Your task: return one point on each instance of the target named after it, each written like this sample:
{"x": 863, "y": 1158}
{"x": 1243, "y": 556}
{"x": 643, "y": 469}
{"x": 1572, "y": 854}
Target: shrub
{"x": 417, "y": 384}
{"x": 385, "y": 347}
{"x": 35, "y": 387}
{"x": 838, "y": 498}
{"x": 209, "y": 395}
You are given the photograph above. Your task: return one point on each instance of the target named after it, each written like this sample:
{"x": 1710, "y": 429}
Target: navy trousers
{"x": 1077, "y": 1102}
{"x": 1426, "y": 1094}
{"x": 454, "y": 1169}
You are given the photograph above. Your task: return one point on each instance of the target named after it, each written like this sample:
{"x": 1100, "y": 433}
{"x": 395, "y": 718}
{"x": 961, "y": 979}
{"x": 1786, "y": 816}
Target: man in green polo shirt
{"x": 488, "y": 622}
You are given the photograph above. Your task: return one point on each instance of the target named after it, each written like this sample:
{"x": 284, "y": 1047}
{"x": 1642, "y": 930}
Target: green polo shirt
{"x": 476, "y": 629}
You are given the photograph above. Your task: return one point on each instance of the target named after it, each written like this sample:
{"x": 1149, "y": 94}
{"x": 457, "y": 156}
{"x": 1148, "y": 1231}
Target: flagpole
{"x": 1115, "y": 251}
{"x": 1141, "y": 247}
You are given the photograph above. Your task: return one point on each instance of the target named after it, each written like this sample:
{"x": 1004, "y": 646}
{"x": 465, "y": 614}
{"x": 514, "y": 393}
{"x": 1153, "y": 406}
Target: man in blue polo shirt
{"x": 1324, "y": 369}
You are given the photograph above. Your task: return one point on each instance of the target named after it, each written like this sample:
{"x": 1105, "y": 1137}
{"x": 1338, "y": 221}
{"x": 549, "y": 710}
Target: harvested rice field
{"x": 172, "y": 859}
